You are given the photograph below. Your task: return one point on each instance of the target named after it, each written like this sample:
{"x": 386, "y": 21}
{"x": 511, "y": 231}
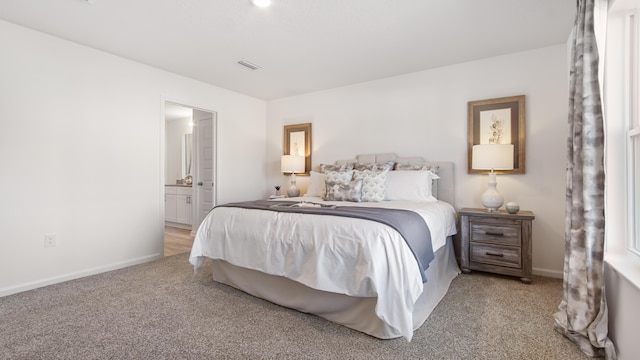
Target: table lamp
{"x": 492, "y": 157}
{"x": 293, "y": 164}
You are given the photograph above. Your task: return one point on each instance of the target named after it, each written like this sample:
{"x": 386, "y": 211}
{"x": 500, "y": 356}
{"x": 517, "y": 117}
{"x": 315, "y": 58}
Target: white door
{"x": 205, "y": 165}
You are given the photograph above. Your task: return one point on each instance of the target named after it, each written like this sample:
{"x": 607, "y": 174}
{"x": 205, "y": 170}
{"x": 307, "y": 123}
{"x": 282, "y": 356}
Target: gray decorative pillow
{"x": 433, "y": 168}
{"x": 373, "y": 184}
{"x": 375, "y": 166}
{"x": 325, "y": 168}
{"x": 340, "y": 191}
{"x": 339, "y": 176}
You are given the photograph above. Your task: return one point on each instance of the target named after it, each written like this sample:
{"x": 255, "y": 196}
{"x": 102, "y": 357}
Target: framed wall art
{"x": 297, "y": 141}
{"x": 498, "y": 121}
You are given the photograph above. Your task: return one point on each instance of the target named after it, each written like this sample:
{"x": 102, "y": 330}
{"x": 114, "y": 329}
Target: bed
{"x": 361, "y": 273}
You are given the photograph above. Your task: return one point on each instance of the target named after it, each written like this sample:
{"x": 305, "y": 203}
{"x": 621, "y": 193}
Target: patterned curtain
{"x": 583, "y": 311}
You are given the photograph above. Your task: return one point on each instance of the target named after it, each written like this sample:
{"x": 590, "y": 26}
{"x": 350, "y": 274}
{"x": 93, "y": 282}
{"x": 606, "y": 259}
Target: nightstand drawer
{"x": 496, "y": 234}
{"x": 496, "y": 255}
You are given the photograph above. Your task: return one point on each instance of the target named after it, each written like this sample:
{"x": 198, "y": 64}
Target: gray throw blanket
{"x": 408, "y": 223}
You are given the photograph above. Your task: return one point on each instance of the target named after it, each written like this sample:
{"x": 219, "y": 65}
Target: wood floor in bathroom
{"x": 177, "y": 241}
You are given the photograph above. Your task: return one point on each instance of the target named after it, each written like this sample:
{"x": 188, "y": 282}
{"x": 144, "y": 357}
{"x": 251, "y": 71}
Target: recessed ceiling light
{"x": 261, "y": 3}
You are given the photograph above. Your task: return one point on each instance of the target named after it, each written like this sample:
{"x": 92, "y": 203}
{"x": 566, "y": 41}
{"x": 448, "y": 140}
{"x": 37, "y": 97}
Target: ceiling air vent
{"x": 249, "y": 65}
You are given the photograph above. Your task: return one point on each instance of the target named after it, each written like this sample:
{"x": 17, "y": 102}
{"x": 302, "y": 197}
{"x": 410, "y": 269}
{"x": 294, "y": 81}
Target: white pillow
{"x": 316, "y": 184}
{"x": 410, "y": 185}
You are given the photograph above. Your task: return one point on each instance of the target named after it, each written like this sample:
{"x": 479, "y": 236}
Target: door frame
{"x": 161, "y": 192}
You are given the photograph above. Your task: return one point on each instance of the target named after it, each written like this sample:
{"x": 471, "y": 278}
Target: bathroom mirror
{"x": 186, "y": 155}
{"x": 178, "y": 142}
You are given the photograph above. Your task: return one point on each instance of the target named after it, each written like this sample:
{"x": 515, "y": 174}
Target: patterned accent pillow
{"x": 339, "y": 191}
{"x": 433, "y": 168}
{"x": 338, "y": 176}
{"x": 325, "y": 168}
{"x": 373, "y": 184}
{"x": 375, "y": 166}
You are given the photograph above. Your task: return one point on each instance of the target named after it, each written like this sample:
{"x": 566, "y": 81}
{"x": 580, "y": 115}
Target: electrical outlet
{"x": 49, "y": 240}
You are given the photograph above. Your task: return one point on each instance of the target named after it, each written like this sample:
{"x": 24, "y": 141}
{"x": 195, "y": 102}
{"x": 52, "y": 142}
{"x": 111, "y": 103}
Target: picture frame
{"x": 297, "y": 141}
{"x": 498, "y": 121}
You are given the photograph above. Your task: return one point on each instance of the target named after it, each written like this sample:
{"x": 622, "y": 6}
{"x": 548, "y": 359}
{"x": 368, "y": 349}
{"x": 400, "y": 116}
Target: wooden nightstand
{"x": 496, "y": 242}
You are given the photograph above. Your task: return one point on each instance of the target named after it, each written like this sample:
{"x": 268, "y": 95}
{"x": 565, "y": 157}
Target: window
{"x": 622, "y": 153}
{"x": 632, "y": 97}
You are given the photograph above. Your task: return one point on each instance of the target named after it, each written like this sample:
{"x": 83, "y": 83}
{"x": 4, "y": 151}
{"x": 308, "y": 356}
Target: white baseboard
{"x": 178, "y": 225}
{"x": 72, "y": 276}
{"x": 548, "y": 273}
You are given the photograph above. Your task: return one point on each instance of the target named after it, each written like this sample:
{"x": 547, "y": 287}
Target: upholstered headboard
{"x": 443, "y": 188}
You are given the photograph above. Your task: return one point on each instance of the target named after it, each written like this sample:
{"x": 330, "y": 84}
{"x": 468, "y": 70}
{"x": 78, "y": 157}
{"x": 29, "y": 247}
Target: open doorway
{"x": 189, "y": 173}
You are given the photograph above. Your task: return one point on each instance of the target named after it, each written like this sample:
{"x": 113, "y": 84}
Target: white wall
{"x": 425, "y": 114}
{"x": 80, "y": 148}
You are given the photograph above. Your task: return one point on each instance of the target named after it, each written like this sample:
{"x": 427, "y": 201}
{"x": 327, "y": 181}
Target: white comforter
{"x": 343, "y": 255}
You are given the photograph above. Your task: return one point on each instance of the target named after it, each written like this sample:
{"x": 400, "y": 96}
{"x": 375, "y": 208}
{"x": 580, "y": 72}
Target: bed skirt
{"x": 357, "y": 313}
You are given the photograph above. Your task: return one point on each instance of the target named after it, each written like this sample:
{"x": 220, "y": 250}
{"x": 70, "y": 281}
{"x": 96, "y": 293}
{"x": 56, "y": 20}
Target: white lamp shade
{"x": 292, "y": 163}
{"x": 492, "y": 156}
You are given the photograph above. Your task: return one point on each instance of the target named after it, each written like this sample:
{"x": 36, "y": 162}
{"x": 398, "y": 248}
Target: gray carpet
{"x": 162, "y": 310}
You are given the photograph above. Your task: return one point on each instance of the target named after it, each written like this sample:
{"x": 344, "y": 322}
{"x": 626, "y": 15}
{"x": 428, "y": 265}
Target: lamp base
{"x": 491, "y": 199}
{"x": 293, "y": 191}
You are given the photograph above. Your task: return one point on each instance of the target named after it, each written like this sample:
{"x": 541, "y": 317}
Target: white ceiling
{"x": 302, "y": 45}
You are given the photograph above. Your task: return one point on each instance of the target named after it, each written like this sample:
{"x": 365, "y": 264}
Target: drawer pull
{"x": 494, "y": 233}
{"x": 494, "y": 254}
